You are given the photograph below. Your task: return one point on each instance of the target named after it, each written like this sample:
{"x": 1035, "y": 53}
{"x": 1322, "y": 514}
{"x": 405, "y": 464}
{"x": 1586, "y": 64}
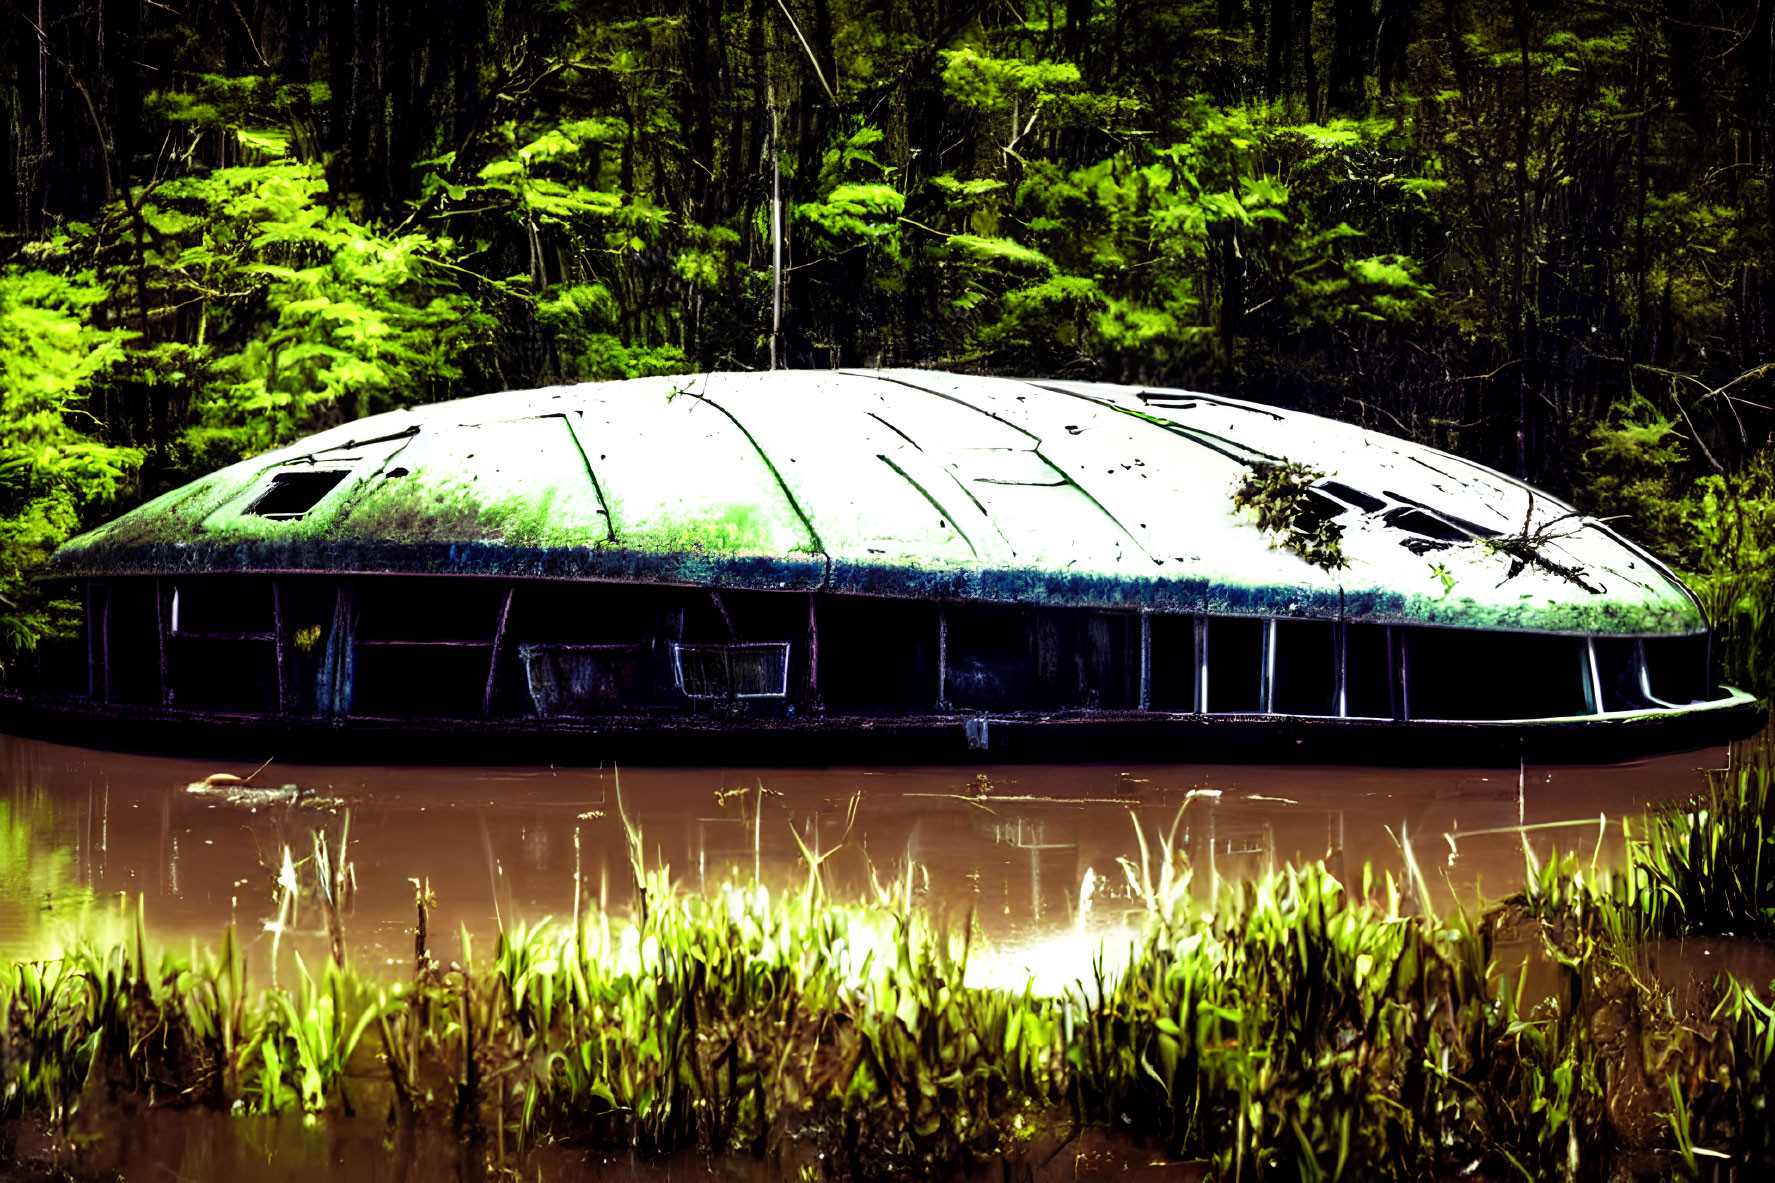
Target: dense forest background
{"x": 1539, "y": 235}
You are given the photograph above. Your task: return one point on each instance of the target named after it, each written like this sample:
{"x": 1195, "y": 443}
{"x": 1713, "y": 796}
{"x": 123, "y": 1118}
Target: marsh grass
{"x": 1295, "y": 1026}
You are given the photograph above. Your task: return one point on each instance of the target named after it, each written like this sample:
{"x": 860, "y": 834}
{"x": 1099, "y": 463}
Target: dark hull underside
{"x": 1082, "y": 736}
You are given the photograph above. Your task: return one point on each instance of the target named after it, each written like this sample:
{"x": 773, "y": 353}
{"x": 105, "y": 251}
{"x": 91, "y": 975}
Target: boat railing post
{"x": 1399, "y": 641}
{"x": 1266, "y": 693}
{"x": 166, "y": 689}
{"x": 942, "y": 657}
{"x": 1146, "y": 659}
{"x": 505, "y": 612}
{"x": 92, "y": 669}
{"x": 339, "y": 660}
{"x": 1340, "y": 669}
{"x": 98, "y": 641}
{"x": 813, "y": 652}
{"x": 1592, "y": 678}
{"x": 280, "y": 644}
{"x": 1199, "y": 699}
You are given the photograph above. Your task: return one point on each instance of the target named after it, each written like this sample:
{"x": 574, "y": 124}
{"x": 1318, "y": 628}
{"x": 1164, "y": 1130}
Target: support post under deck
{"x": 1146, "y": 660}
{"x": 942, "y": 657}
{"x": 505, "y": 612}
{"x": 813, "y": 653}
{"x": 280, "y": 640}
{"x": 166, "y": 688}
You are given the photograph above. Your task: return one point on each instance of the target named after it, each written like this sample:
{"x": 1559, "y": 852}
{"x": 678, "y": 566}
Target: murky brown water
{"x": 1032, "y": 851}
{"x": 1017, "y": 844}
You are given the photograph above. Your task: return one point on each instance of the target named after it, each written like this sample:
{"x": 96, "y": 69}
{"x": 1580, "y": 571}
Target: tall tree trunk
{"x": 1309, "y": 71}
{"x": 1351, "y": 48}
{"x": 1279, "y": 52}
{"x": 1519, "y": 299}
{"x": 1392, "y": 36}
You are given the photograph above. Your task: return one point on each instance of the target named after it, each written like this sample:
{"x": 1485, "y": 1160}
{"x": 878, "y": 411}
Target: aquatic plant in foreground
{"x": 1295, "y": 1026}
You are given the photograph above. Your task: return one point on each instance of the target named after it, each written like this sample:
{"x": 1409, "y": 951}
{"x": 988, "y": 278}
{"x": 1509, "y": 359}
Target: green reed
{"x": 1294, "y": 1027}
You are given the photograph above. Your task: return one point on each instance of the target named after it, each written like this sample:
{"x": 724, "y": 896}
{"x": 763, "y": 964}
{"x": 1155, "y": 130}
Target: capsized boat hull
{"x": 1080, "y": 737}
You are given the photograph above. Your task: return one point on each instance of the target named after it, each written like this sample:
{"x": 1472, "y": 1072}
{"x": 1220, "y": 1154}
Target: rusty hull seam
{"x": 813, "y": 534}
{"x": 1065, "y": 477}
{"x": 591, "y": 473}
{"x": 953, "y": 479}
{"x": 934, "y": 503}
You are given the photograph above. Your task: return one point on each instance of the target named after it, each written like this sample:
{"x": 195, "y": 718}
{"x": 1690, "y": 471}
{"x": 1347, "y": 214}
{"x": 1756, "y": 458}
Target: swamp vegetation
{"x": 1294, "y": 1026}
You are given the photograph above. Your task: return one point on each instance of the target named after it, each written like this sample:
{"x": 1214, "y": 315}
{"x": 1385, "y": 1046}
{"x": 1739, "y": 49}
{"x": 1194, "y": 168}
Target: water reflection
{"x": 1033, "y": 852}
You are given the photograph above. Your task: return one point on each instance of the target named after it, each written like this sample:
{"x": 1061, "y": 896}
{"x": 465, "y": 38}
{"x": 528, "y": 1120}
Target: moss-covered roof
{"x": 907, "y": 483}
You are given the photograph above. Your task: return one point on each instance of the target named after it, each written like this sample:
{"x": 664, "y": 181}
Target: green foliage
{"x": 583, "y": 321}
{"x": 1732, "y": 524}
{"x": 1483, "y": 229}
{"x": 53, "y": 465}
{"x": 324, "y": 318}
{"x": 1633, "y": 467}
{"x": 1281, "y": 500}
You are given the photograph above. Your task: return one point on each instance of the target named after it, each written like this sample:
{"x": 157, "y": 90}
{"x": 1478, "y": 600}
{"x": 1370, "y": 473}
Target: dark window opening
{"x": 1173, "y": 663}
{"x": 877, "y": 656}
{"x": 415, "y": 610}
{"x": 745, "y": 670}
{"x": 1469, "y": 674}
{"x": 1109, "y": 660}
{"x": 1305, "y": 668}
{"x": 1677, "y": 669}
{"x": 1621, "y": 674}
{"x": 1469, "y": 529}
{"x": 293, "y": 494}
{"x": 1004, "y": 657}
{"x": 133, "y": 643}
{"x": 223, "y": 675}
{"x": 1366, "y": 502}
{"x": 599, "y": 614}
{"x": 1425, "y": 525}
{"x": 98, "y": 641}
{"x": 1235, "y": 664}
{"x": 308, "y": 607}
{"x": 222, "y": 606}
{"x": 1368, "y": 672}
{"x": 585, "y": 679}
{"x": 419, "y": 681}
{"x": 989, "y": 657}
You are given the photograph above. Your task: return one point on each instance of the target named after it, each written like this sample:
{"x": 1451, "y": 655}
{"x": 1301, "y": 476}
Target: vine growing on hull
{"x": 1281, "y": 499}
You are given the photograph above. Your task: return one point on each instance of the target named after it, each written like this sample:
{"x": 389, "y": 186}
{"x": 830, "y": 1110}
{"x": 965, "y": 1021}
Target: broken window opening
{"x": 236, "y": 608}
{"x": 583, "y": 679}
{"x": 98, "y": 642}
{"x": 1468, "y": 529}
{"x": 1369, "y": 690}
{"x": 129, "y": 641}
{"x": 1304, "y": 664}
{"x": 1366, "y": 502}
{"x": 292, "y": 494}
{"x": 757, "y": 669}
{"x": 223, "y": 675}
{"x": 1233, "y": 657}
{"x": 1424, "y": 525}
{"x": 417, "y": 681}
{"x": 1172, "y": 681}
{"x": 1480, "y": 674}
{"x": 1678, "y": 669}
